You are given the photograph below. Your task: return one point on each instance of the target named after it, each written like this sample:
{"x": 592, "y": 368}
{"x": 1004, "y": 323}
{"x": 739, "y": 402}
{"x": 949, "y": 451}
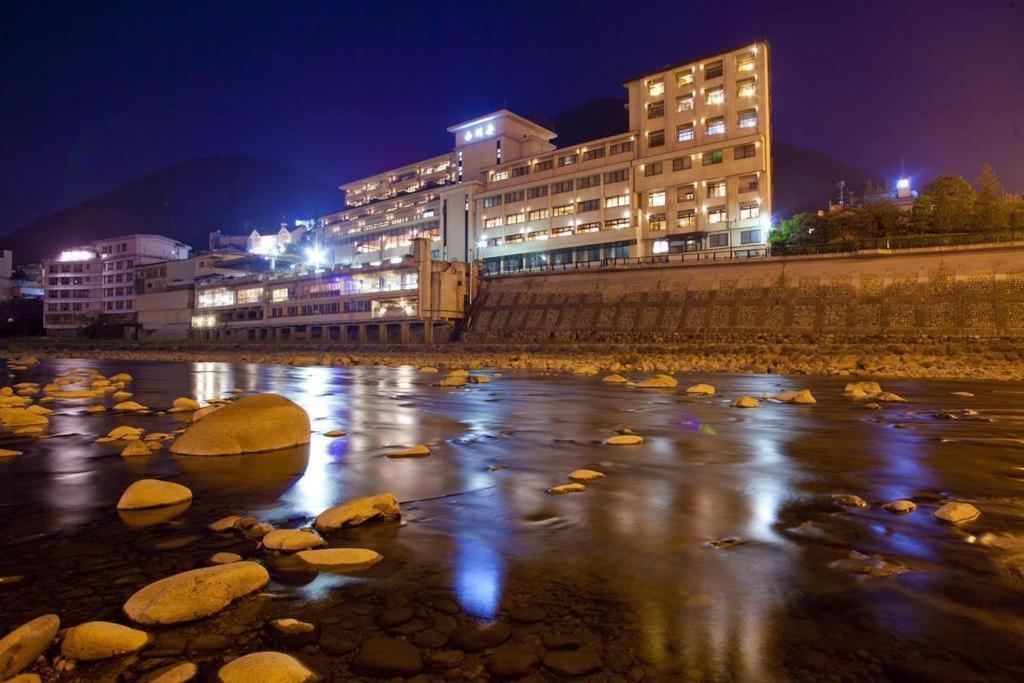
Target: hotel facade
{"x": 692, "y": 174}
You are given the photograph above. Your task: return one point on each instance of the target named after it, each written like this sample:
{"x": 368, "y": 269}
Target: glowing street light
{"x": 314, "y": 257}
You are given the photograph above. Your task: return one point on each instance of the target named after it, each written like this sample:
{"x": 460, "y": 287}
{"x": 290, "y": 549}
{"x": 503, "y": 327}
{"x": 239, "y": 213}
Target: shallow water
{"x": 630, "y": 560}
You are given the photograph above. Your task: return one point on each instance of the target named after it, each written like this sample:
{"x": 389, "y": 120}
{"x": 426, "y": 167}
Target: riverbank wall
{"x": 949, "y": 291}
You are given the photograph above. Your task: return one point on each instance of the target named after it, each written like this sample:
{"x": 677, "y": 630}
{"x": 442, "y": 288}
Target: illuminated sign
{"x": 478, "y": 133}
{"x": 76, "y": 255}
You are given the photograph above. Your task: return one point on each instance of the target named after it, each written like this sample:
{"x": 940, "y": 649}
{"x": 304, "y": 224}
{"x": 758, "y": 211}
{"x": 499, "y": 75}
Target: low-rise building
{"x": 93, "y": 286}
{"x": 411, "y": 299}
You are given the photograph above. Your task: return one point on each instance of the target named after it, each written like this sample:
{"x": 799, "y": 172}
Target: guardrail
{"x": 775, "y": 250}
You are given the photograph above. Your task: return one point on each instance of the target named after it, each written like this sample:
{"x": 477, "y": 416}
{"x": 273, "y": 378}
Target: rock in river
{"x": 292, "y": 539}
{"x": 340, "y": 558}
{"x": 567, "y": 488}
{"x": 262, "y": 422}
{"x": 417, "y": 451}
{"x": 658, "y": 382}
{"x": 386, "y": 657}
{"x": 195, "y": 594}
{"x": 153, "y": 493}
{"x": 179, "y": 672}
{"x": 701, "y": 390}
{"x": 585, "y": 475}
{"x": 615, "y": 379}
{"x": 745, "y": 402}
{"x": 849, "y": 500}
{"x": 272, "y": 667}
{"x": 135, "y": 448}
{"x": 381, "y": 506}
{"x": 900, "y": 507}
{"x": 954, "y": 513}
{"x": 23, "y": 645}
{"x": 624, "y": 440}
{"x": 102, "y": 640}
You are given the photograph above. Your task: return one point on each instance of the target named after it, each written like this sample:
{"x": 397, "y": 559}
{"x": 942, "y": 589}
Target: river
{"x": 713, "y": 551}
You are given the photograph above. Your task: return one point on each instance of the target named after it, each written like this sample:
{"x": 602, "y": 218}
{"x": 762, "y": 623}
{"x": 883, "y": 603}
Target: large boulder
{"x": 263, "y": 422}
{"x": 23, "y": 645}
{"x": 102, "y": 640}
{"x": 267, "y": 667}
{"x": 153, "y": 493}
{"x": 195, "y": 594}
{"x": 381, "y": 506}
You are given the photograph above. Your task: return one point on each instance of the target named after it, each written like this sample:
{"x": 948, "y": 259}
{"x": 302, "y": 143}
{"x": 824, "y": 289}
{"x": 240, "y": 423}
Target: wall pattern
{"x": 961, "y": 293}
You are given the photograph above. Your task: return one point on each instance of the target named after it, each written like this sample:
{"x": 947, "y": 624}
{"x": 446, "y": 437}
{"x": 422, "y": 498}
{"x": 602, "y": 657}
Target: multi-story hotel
{"x": 85, "y": 283}
{"x": 692, "y": 173}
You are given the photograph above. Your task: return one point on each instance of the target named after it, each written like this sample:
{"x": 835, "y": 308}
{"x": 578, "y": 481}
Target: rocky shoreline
{"x": 917, "y": 358}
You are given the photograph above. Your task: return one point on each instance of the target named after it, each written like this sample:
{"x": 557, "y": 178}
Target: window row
{"x": 564, "y": 231}
{"x": 714, "y": 125}
{"x": 746, "y": 88}
{"x": 746, "y": 62}
{"x": 560, "y": 187}
{"x": 564, "y": 160}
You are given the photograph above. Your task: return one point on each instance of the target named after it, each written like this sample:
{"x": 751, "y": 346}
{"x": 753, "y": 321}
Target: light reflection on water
{"x": 706, "y": 472}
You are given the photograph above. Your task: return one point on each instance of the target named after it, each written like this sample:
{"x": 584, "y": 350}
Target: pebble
{"x": 417, "y": 451}
{"x": 900, "y": 507}
{"x": 567, "y": 488}
{"x": 225, "y": 558}
{"x": 955, "y": 513}
{"x": 474, "y": 637}
{"x": 386, "y": 657}
{"x": 585, "y": 475}
{"x": 849, "y": 500}
{"x": 624, "y": 440}
{"x": 511, "y": 662}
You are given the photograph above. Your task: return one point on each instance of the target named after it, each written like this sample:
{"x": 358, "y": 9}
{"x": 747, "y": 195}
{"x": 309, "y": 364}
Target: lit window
{"x": 537, "y": 235}
{"x": 659, "y": 247}
{"x": 684, "y": 102}
{"x": 686, "y": 218}
{"x": 249, "y": 296}
{"x": 749, "y": 210}
{"x": 499, "y": 176}
{"x": 616, "y": 224}
{"x": 563, "y": 210}
{"x": 562, "y": 232}
{"x": 746, "y": 88}
{"x": 538, "y": 214}
{"x": 656, "y": 198}
{"x": 745, "y": 62}
{"x": 716, "y": 126}
{"x": 567, "y": 160}
{"x": 514, "y": 218}
{"x": 279, "y": 294}
{"x": 714, "y": 95}
{"x": 748, "y": 183}
{"x": 747, "y": 119}
{"x": 684, "y": 133}
{"x": 716, "y": 215}
{"x": 716, "y": 189}
{"x": 656, "y": 87}
{"x": 619, "y": 200}
{"x": 493, "y": 222}
{"x": 684, "y": 78}
{"x": 686, "y": 193}
{"x": 656, "y": 221}
{"x": 588, "y": 228}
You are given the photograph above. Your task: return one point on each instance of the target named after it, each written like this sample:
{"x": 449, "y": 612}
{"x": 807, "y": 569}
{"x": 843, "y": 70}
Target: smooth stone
{"x": 451, "y": 381}
{"x": 573, "y": 662}
{"x": 658, "y": 382}
{"x": 195, "y": 594}
{"x": 152, "y": 493}
{"x": 340, "y": 558}
{"x": 102, "y": 640}
{"x": 447, "y": 659}
{"x": 585, "y": 475}
{"x": 889, "y": 396}
{"x": 394, "y": 616}
{"x": 266, "y": 667}
{"x": 383, "y": 506}
{"x": 291, "y": 626}
{"x": 334, "y": 433}
{"x": 136, "y": 448}
{"x": 292, "y": 539}
{"x": 615, "y": 379}
{"x": 417, "y": 451}
{"x": 262, "y": 422}
{"x": 386, "y": 657}
{"x": 225, "y": 558}
{"x": 849, "y": 500}
{"x": 129, "y": 407}
{"x": 567, "y": 488}
{"x": 745, "y": 402}
{"x": 802, "y": 397}
{"x": 624, "y": 440}
{"x": 7, "y": 453}
{"x": 477, "y": 637}
{"x": 183, "y": 403}
{"x": 125, "y": 433}
{"x": 900, "y": 507}
{"x": 258, "y": 531}
{"x": 963, "y": 394}
{"x": 224, "y": 524}
{"x": 511, "y": 662}
{"x": 954, "y": 513}
{"x": 25, "y": 644}
{"x": 181, "y": 672}
{"x": 701, "y": 390}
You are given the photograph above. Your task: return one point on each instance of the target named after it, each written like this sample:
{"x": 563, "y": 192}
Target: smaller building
{"x": 412, "y": 299}
{"x": 91, "y": 289}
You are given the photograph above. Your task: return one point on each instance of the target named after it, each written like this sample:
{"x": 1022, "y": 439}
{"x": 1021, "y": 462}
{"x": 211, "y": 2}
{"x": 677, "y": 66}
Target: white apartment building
{"x": 98, "y": 279}
{"x": 692, "y": 174}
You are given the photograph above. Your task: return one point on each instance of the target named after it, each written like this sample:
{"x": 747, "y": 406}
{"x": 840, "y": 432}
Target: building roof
{"x": 701, "y": 58}
{"x": 499, "y": 114}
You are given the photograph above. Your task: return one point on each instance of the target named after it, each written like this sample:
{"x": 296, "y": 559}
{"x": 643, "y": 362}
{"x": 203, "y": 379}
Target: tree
{"x": 991, "y": 209}
{"x": 948, "y": 204}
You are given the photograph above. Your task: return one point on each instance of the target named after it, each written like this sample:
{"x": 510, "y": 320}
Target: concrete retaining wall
{"x": 950, "y": 291}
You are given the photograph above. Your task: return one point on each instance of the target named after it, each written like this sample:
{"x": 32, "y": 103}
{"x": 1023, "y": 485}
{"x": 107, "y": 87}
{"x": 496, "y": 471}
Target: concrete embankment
{"x": 916, "y": 357}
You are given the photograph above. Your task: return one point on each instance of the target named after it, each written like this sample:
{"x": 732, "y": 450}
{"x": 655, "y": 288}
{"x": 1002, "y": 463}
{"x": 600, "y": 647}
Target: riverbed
{"x": 712, "y": 551}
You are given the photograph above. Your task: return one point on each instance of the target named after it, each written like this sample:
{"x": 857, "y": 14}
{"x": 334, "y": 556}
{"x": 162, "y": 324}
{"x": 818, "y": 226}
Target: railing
{"x": 628, "y": 261}
{"x": 776, "y": 250}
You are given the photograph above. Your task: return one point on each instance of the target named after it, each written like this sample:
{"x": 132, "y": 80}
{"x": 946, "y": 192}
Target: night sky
{"x": 98, "y": 93}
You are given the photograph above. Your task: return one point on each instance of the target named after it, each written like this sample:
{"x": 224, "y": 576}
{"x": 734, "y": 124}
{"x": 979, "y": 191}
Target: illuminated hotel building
{"x": 692, "y": 173}
{"x": 85, "y": 284}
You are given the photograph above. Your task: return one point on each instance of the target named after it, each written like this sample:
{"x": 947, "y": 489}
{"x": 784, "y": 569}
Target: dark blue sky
{"x": 98, "y": 93}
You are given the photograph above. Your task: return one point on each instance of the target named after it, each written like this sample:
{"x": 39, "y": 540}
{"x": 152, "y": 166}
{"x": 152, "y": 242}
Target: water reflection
{"x": 478, "y": 577}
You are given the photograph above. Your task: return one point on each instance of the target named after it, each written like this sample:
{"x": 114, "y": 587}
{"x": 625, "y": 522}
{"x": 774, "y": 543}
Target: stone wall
{"x": 958, "y": 291}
